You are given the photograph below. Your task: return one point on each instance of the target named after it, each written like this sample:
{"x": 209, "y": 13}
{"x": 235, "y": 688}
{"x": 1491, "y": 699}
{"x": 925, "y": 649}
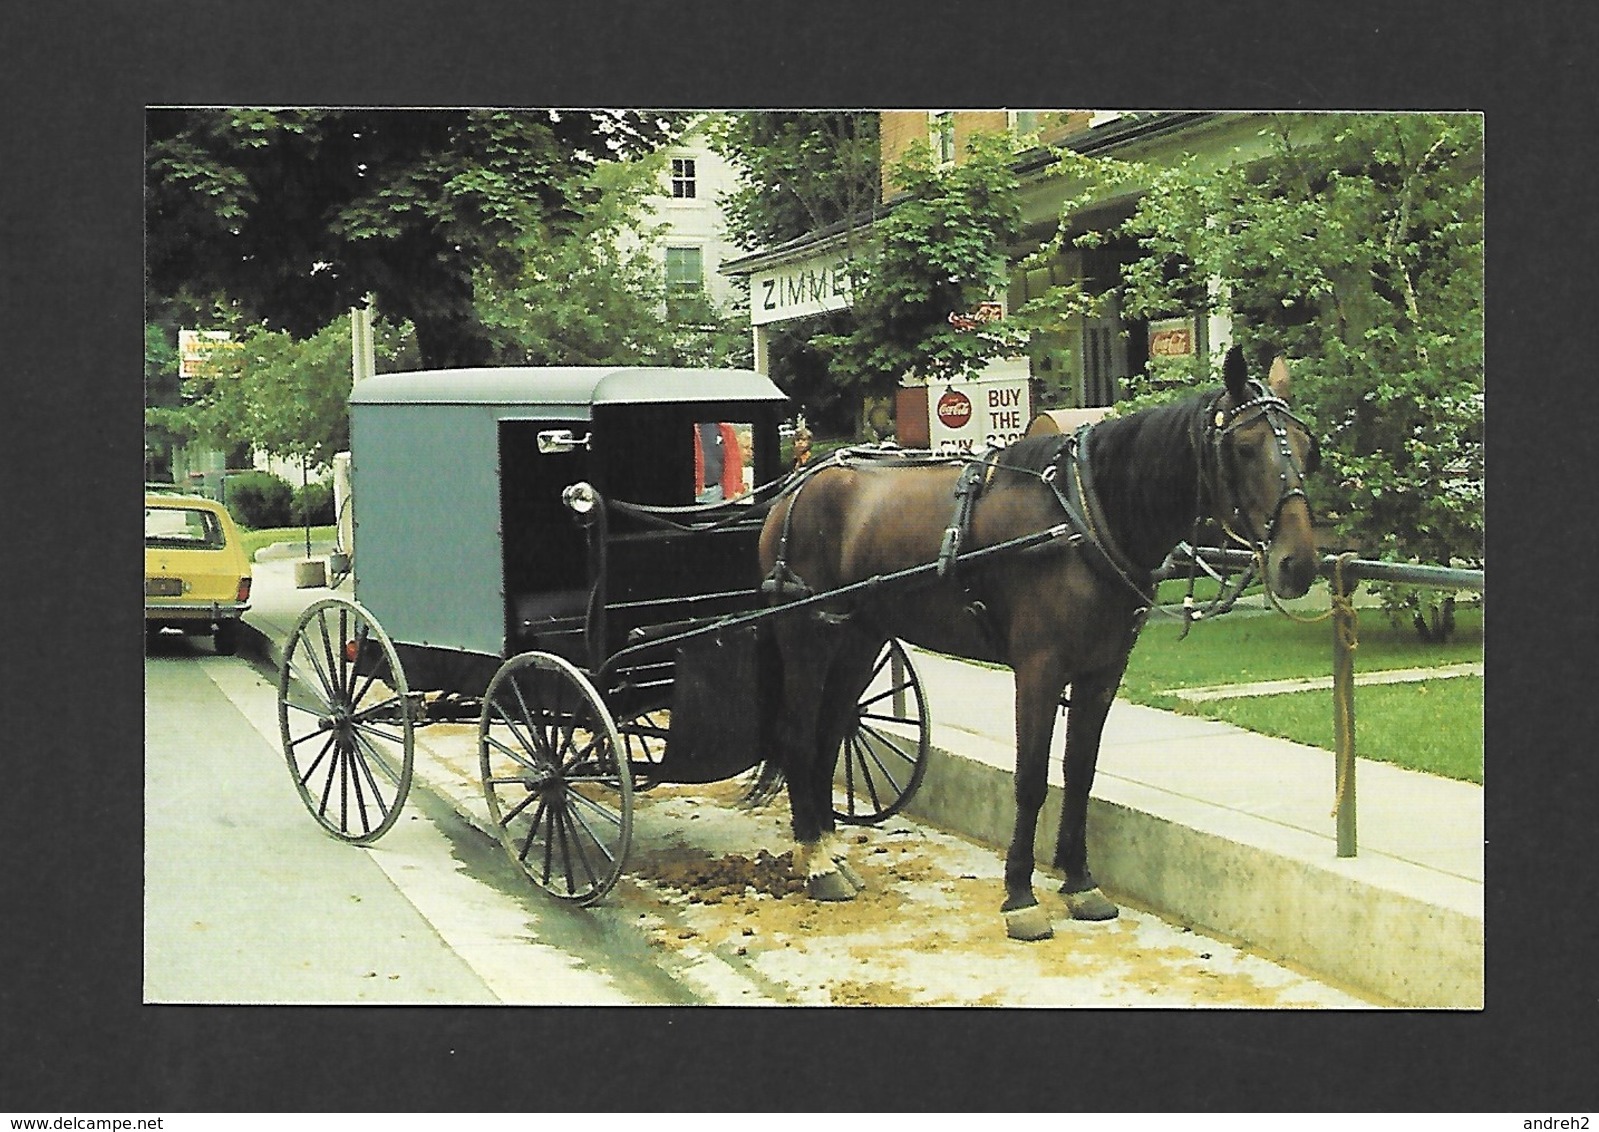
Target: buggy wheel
{"x": 885, "y": 756}
{"x": 344, "y": 716}
{"x": 555, "y": 777}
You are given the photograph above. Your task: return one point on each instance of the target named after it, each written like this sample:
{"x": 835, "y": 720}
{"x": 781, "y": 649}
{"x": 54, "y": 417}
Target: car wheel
{"x": 226, "y": 638}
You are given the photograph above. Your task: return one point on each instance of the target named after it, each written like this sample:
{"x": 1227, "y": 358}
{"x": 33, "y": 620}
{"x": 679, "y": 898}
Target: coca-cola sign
{"x": 983, "y": 314}
{"x": 954, "y": 409}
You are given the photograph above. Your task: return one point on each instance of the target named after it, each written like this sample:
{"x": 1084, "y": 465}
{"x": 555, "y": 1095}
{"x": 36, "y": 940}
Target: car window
{"x": 180, "y": 528}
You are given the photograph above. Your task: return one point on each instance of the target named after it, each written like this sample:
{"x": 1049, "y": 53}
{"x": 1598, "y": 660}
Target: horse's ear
{"x": 1278, "y": 377}
{"x": 1236, "y": 374}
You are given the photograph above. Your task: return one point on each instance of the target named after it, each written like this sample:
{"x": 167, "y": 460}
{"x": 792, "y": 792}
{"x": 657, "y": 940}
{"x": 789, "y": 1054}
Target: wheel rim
{"x": 344, "y": 718}
{"x": 885, "y": 755}
{"x": 560, "y": 798}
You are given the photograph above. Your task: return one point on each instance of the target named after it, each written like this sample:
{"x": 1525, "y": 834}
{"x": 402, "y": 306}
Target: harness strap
{"x": 968, "y": 489}
{"x": 782, "y": 584}
{"x": 1081, "y": 503}
{"x": 968, "y": 486}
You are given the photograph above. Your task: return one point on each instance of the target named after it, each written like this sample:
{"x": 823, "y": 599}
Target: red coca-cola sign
{"x": 954, "y": 409}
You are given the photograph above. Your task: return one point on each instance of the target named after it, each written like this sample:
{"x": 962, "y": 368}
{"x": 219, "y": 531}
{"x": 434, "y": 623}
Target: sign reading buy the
{"x": 969, "y": 416}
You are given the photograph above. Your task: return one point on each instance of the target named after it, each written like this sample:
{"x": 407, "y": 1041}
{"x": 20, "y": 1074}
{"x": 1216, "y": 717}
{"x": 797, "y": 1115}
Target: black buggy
{"x": 567, "y": 555}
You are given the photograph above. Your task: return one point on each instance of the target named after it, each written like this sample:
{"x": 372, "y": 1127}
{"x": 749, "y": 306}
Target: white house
{"x": 689, "y": 205}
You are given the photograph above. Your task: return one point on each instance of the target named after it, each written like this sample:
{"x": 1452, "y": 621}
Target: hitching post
{"x": 1344, "y": 640}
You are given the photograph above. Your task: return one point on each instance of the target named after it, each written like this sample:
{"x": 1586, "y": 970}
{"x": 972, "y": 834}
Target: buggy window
{"x": 724, "y": 467}
{"x": 182, "y": 528}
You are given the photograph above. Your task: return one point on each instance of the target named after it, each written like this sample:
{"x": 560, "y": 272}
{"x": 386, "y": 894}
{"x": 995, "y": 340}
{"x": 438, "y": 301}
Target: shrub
{"x": 313, "y": 504}
{"x": 259, "y": 499}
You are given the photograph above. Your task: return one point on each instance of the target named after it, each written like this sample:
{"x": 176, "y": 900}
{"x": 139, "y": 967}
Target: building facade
{"x": 695, "y": 246}
{"x": 1087, "y": 364}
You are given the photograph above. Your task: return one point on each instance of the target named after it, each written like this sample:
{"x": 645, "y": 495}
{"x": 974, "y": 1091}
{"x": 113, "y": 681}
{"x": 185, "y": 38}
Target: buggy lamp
{"x": 580, "y": 498}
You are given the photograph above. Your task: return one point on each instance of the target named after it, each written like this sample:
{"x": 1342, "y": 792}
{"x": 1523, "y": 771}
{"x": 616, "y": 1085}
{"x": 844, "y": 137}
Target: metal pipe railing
{"x": 1345, "y": 572}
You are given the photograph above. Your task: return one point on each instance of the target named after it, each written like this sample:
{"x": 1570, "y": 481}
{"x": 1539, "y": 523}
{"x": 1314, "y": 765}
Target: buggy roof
{"x": 575, "y": 386}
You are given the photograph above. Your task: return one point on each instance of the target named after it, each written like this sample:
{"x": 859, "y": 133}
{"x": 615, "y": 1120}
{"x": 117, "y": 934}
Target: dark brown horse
{"x": 1062, "y": 612}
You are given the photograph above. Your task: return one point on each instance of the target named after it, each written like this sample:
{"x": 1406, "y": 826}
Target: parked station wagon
{"x": 196, "y": 574}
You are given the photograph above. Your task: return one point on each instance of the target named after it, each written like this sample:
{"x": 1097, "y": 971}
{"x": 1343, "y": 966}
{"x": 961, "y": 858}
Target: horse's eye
{"x": 1247, "y": 450}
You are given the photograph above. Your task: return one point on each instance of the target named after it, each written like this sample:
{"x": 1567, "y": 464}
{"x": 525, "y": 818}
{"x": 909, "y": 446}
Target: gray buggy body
{"x": 464, "y": 550}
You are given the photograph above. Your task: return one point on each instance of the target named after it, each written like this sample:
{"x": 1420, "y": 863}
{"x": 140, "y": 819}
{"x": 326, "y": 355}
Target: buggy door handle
{"x": 557, "y": 440}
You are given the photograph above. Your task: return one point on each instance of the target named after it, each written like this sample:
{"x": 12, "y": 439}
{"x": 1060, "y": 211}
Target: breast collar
{"x": 1070, "y": 476}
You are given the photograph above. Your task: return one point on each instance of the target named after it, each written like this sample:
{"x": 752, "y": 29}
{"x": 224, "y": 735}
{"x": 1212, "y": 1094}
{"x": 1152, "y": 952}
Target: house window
{"x": 685, "y": 269}
{"x": 941, "y": 133}
{"x": 683, "y": 178}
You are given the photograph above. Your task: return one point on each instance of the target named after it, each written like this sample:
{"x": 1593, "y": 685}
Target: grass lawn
{"x": 1240, "y": 648}
{"x": 1434, "y": 726}
{"x": 254, "y": 540}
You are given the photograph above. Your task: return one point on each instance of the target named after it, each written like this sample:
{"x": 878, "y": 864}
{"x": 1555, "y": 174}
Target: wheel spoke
{"x": 322, "y": 754}
{"x": 522, "y": 757}
{"x": 595, "y": 807}
{"x": 358, "y": 770}
{"x": 376, "y": 755}
{"x": 529, "y": 755}
{"x": 858, "y": 758}
{"x": 578, "y": 828}
{"x": 882, "y": 764}
{"x": 527, "y": 800}
{"x": 324, "y": 676}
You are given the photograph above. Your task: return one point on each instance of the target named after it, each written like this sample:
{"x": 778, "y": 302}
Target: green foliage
{"x": 259, "y": 499}
{"x": 595, "y": 294}
{"x": 313, "y": 503}
{"x": 166, "y": 425}
{"x": 287, "y": 397}
{"x": 798, "y": 172}
{"x": 299, "y": 215}
{"x": 940, "y": 251}
{"x": 1354, "y": 245}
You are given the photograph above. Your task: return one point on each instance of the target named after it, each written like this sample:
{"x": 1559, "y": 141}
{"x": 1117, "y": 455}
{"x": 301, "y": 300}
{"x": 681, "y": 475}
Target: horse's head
{"x": 1261, "y": 454}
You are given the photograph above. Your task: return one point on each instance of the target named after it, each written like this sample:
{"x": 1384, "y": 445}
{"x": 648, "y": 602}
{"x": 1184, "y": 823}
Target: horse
{"x": 1058, "y": 611}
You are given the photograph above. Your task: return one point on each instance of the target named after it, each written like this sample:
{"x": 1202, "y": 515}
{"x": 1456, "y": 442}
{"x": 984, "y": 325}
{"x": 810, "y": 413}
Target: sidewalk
{"x": 1206, "y": 823}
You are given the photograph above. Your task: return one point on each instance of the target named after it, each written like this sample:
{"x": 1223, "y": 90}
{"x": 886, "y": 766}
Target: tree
{"x": 301, "y": 214}
{"x": 286, "y": 396}
{"x": 598, "y": 295}
{"x": 803, "y": 172}
{"x": 1355, "y": 245}
{"x": 940, "y": 251}
{"x": 798, "y": 172}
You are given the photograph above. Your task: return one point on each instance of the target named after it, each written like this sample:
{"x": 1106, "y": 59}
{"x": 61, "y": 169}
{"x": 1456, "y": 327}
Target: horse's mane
{"x": 1144, "y": 470}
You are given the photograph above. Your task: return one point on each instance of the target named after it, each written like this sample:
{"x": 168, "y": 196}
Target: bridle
{"x": 1218, "y": 472}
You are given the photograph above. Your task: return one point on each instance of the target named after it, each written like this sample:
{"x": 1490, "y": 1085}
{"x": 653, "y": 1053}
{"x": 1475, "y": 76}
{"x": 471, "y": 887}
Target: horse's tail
{"x": 768, "y": 772}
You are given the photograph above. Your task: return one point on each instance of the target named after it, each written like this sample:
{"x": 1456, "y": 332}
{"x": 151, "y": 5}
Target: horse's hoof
{"x": 1028, "y": 923}
{"x": 850, "y": 874}
{"x": 1090, "y": 904}
{"x": 829, "y": 886}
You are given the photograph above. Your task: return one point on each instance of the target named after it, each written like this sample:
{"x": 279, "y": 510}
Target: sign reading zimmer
{"x": 810, "y": 286}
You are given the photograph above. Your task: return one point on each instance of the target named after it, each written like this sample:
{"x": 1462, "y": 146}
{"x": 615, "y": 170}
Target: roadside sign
{"x": 971, "y": 415}
{"x": 196, "y": 348}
